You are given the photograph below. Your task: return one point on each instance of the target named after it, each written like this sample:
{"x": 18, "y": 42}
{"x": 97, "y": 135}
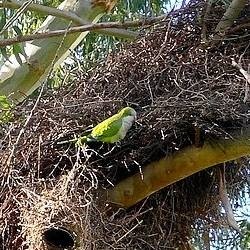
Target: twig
{"x": 242, "y": 71}
{"x": 204, "y": 21}
{"x": 9, "y": 159}
{"x": 128, "y": 232}
{"x": 88, "y": 27}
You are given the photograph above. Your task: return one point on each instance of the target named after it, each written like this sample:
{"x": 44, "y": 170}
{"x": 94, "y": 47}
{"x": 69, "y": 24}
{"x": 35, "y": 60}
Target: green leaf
{"x": 17, "y": 30}
{"x": 5, "y": 110}
{"x": 20, "y": 47}
{"x": 17, "y": 49}
{"x": 4, "y": 53}
{"x": 3, "y": 18}
{"x": 20, "y": 50}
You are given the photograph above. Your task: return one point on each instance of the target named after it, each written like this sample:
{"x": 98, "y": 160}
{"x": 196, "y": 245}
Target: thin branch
{"x": 45, "y": 10}
{"x": 225, "y": 200}
{"x": 242, "y": 71}
{"x": 88, "y": 27}
{"x": 21, "y": 9}
{"x": 22, "y": 131}
{"x": 204, "y": 21}
{"x": 67, "y": 15}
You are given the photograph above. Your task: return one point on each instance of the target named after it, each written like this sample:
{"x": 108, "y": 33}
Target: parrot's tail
{"x": 68, "y": 141}
{"x": 78, "y": 141}
{"x": 89, "y": 138}
{"x": 82, "y": 140}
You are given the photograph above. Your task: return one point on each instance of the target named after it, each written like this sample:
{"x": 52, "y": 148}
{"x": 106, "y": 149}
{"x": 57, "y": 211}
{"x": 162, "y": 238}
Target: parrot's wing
{"x": 107, "y": 129}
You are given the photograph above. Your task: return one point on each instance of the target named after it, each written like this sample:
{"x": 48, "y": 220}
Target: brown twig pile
{"x": 176, "y": 86}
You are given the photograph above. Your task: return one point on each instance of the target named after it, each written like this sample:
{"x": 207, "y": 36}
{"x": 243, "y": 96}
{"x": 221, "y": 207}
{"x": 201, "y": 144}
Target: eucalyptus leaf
{"x": 3, "y": 18}
{"x": 4, "y": 53}
{"x": 17, "y": 50}
{"x": 17, "y": 30}
{"x": 5, "y": 109}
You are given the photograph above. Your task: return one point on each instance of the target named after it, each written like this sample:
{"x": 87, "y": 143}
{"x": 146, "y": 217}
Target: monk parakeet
{"x": 112, "y": 129}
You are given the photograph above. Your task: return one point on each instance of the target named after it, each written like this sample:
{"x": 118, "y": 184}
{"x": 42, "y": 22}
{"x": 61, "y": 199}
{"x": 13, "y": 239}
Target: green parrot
{"x": 111, "y": 130}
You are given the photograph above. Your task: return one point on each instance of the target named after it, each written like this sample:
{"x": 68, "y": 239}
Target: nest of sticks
{"x": 176, "y": 86}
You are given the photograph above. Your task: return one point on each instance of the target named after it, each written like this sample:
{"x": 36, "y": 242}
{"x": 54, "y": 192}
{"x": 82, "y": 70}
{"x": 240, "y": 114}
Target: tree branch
{"x": 178, "y": 166}
{"x": 19, "y": 78}
{"x": 226, "y": 21}
{"x": 45, "y": 10}
{"x": 230, "y": 15}
{"x": 225, "y": 200}
{"x": 204, "y": 21}
{"x": 67, "y": 15}
{"x": 21, "y": 9}
{"x": 242, "y": 71}
{"x": 79, "y": 29}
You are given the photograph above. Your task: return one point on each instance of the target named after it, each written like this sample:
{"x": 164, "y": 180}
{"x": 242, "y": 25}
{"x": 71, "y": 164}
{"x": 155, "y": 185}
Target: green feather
{"x": 107, "y": 129}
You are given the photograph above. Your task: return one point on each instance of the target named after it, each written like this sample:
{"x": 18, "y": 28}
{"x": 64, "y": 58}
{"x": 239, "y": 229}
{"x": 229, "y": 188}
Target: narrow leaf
{"x": 17, "y": 50}
{"x": 17, "y": 30}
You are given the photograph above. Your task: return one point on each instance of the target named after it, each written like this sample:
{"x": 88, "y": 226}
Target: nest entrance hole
{"x": 59, "y": 237}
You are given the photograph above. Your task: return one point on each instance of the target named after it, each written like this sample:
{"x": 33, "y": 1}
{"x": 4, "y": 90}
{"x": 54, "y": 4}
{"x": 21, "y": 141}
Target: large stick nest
{"x": 176, "y": 86}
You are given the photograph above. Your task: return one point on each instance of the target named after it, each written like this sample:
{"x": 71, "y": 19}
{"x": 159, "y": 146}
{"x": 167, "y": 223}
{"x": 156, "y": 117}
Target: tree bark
{"x": 178, "y": 166}
{"x": 68, "y": 15}
{"x": 229, "y": 17}
{"x": 19, "y": 81}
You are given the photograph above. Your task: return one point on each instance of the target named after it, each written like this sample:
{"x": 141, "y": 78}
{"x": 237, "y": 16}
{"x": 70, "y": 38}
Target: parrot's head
{"x": 128, "y": 112}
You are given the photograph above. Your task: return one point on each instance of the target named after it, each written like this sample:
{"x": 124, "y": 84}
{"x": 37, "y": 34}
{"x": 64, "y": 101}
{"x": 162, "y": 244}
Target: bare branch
{"x": 88, "y": 27}
{"x": 242, "y": 71}
{"x": 204, "y": 21}
{"x": 67, "y": 15}
{"x": 21, "y": 9}
{"x": 45, "y": 10}
{"x": 225, "y": 200}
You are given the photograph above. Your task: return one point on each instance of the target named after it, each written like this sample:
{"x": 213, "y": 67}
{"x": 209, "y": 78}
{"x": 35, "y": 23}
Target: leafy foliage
{"x": 95, "y": 47}
{"x": 5, "y": 110}
{"x": 26, "y": 23}
{"x": 245, "y": 241}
